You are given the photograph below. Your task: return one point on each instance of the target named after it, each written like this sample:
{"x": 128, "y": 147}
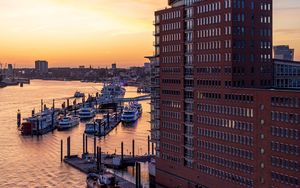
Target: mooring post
{"x": 122, "y": 152}
{"x": 94, "y": 147}
{"x": 99, "y": 128}
{"x": 53, "y": 104}
{"x": 137, "y": 175}
{"x": 68, "y": 103}
{"x": 69, "y": 147}
{"x": 98, "y": 166}
{"x": 148, "y": 145}
{"x": 86, "y": 144}
{"x": 107, "y": 119}
{"x": 37, "y": 127}
{"x": 42, "y": 105}
{"x": 94, "y": 128}
{"x": 61, "y": 150}
{"x": 19, "y": 119}
{"x": 152, "y": 148}
{"x": 100, "y": 156}
{"x": 83, "y": 143}
{"x": 133, "y": 148}
{"x": 32, "y": 112}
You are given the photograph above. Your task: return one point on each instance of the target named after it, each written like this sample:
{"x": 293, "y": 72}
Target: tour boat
{"x": 110, "y": 92}
{"x": 138, "y": 106}
{"x": 130, "y": 114}
{"x": 40, "y": 123}
{"x": 68, "y": 122}
{"x": 87, "y": 113}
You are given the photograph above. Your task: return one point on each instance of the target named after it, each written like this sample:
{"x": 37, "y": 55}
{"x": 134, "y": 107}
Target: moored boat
{"x": 78, "y": 94}
{"x": 130, "y": 114}
{"x": 68, "y": 122}
{"x": 87, "y": 113}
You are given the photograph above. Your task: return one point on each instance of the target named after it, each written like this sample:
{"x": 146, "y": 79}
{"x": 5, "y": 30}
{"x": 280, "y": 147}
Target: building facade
{"x": 284, "y": 52}
{"x": 220, "y": 124}
{"x": 286, "y": 74}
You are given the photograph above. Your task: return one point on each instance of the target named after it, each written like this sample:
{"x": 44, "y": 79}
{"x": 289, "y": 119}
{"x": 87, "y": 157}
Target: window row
{"x": 226, "y": 163}
{"x": 170, "y": 70}
{"x": 170, "y": 147}
{"x": 230, "y": 110}
{"x": 170, "y": 136}
{"x": 213, "y": 58}
{"x": 285, "y": 148}
{"x": 171, "y": 81}
{"x": 214, "y": 32}
{"x": 171, "y": 15}
{"x": 285, "y": 117}
{"x": 171, "y": 59}
{"x": 237, "y": 152}
{"x": 209, "y": 95}
{"x": 285, "y": 101}
{"x": 170, "y": 158}
{"x": 285, "y": 132}
{"x": 171, "y": 37}
{"x": 209, "y": 7}
{"x": 233, "y": 124}
{"x": 212, "y": 45}
{"x": 226, "y": 176}
{"x": 285, "y": 163}
{"x": 284, "y": 179}
{"x": 171, "y": 104}
{"x": 170, "y": 92}
{"x": 209, "y": 20}
{"x": 209, "y": 70}
{"x": 170, "y": 125}
{"x": 225, "y": 136}
{"x": 239, "y": 98}
{"x": 171, "y": 26}
{"x": 213, "y": 83}
{"x": 171, "y": 48}
{"x": 168, "y": 114}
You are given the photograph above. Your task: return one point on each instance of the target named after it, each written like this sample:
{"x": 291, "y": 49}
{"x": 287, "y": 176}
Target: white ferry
{"x": 87, "y": 113}
{"x": 68, "y": 122}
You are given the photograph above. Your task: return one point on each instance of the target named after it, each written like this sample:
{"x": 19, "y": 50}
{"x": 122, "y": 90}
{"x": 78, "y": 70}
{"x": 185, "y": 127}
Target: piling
{"x": 122, "y": 152}
{"x": 95, "y": 147}
{"x": 107, "y": 119}
{"x": 19, "y": 118}
{"x": 86, "y": 144}
{"x": 152, "y": 148}
{"x": 69, "y": 147}
{"x": 148, "y": 145}
{"x": 133, "y": 148}
{"x": 61, "y": 150}
{"x": 68, "y": 103}
{"x": 53, "y": 104}
{"x": 32, "y": 113}
{"x": 98, "y": 158}
{"x": 42, "y": 105}
{"x": 83, "y": 143}
{"x": 94, "y": 128}
{"x": 137, "y": 175}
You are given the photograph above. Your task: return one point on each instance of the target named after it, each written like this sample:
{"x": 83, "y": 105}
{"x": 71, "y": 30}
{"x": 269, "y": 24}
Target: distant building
{"x": 283, "y": 52}
{"x": 10, "y": 69}
{"x": 81, "y": 66}
{"x": 114, "y": 66}
{"x": 41, "y": 66}
{"x": 286, "y": 74}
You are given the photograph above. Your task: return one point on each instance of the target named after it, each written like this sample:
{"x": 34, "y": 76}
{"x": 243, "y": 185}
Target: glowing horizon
{"x": 99, "y": 32}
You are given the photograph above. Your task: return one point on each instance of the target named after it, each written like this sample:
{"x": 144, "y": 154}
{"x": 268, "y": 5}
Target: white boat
{"x": 78, "y": 94}
{"x": 87, "y": 113}
{"x": 68, "y": 122}
{"x": 130, "y": 114}
{"x": 110, "y": 92}
{"x": 104, "y": 180}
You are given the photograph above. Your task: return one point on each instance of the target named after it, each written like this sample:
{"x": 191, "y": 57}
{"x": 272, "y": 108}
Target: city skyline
{"x": 99, "y": 33}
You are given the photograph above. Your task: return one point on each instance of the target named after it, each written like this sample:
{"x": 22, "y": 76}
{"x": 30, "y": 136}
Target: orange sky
{"x": 99, "y": 32}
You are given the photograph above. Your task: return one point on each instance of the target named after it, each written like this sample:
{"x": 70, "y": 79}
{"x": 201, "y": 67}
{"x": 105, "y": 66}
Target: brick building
{"x": 220, "y": 123}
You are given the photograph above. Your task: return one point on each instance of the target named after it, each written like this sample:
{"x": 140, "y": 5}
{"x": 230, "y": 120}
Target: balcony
{"x": 189, "y": 123}
{"x": 155, "y": 43}
{"x": 189, "y": 89}
{"x": 155, "y": 33}
{"x": 189, "y": 100}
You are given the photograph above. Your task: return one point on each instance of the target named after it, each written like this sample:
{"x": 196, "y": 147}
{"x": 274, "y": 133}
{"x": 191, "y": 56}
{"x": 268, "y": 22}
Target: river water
{"x": 35, "y": 162}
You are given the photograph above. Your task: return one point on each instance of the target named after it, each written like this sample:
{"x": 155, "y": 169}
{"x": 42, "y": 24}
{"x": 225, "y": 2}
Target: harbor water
{"x": 35, "y": 161}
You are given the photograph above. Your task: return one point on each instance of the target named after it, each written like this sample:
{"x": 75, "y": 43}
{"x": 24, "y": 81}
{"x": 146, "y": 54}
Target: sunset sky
{"x": 100, "y": 32}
